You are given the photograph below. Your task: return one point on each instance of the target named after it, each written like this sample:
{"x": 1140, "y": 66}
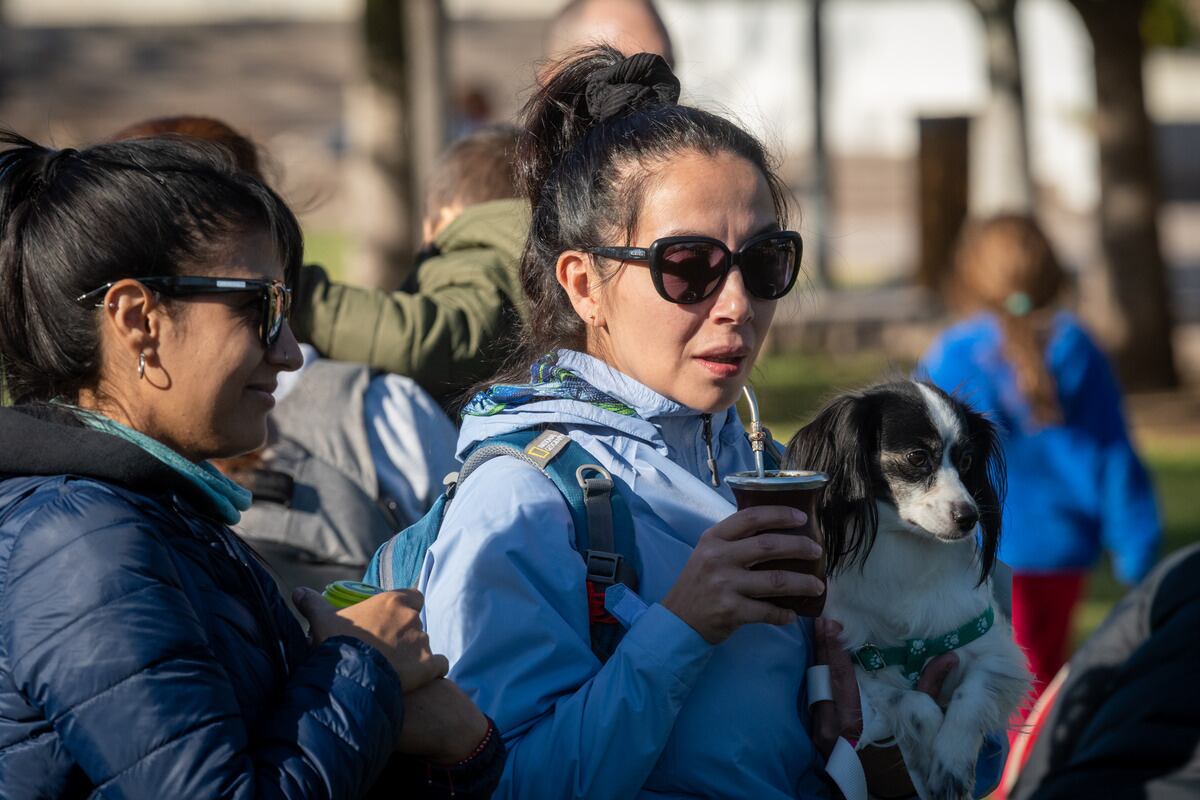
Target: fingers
{"x": 409, "y": 597}
{"x": 749, "y": 611}
{"x": 441, "y": 665}
{"x": 772, "y": 547}
{"x": 825, "y": 722}
{"x": 430, "y": 667}
{"x": 310, "y": 603}
{"x": 778, "y": 583}
{"x": 843, "y": 681}
{"x": 750, "y": 521}
{"x": 933, "y": 677}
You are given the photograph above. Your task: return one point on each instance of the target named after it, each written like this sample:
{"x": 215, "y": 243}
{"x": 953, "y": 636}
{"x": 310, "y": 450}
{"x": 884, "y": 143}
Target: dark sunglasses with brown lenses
{"x": 276, "y": 297}
{"x": 689, "y": 269}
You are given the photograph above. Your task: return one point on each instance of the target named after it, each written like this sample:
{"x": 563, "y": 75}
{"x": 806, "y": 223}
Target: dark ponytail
{"x": 593, "y": 135}
{"x": 71, "y": 221}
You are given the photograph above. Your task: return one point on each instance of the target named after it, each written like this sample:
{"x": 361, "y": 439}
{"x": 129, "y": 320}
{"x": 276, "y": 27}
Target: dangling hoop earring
{"x": 141, "y": 365}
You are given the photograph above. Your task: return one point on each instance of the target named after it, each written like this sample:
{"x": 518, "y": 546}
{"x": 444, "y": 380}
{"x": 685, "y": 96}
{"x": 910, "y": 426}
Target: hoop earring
{"x": 141, "y": 365}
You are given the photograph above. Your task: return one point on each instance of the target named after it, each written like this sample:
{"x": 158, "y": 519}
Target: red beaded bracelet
{"x": 487, "y": 738}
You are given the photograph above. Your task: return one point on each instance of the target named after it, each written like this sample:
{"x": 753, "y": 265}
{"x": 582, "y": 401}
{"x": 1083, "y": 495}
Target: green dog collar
{"x": 914, "y": 654}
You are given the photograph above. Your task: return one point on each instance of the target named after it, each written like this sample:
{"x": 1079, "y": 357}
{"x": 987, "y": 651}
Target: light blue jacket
{"x": 669, "y": 715}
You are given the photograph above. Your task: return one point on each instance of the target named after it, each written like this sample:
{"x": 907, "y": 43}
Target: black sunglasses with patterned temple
{"x": 689, "y": 269}
{"x": 276, "y": 297}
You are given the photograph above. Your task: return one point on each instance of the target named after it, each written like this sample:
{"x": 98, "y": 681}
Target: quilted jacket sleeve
{"x": 100, "y": 636}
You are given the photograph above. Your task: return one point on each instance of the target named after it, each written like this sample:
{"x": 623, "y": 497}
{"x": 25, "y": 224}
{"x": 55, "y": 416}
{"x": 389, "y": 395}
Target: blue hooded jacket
{"x": 668, "y": 715}
{"x": 144, "y": 652}
{"x": 1072, "y": 486}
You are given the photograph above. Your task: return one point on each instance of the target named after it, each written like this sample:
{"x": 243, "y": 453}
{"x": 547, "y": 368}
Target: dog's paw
{"x": 952, "y": 767}
{"x": 945, "y": 784}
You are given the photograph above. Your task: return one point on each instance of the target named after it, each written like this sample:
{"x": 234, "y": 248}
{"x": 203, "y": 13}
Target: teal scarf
{"x": 228, "y": 498}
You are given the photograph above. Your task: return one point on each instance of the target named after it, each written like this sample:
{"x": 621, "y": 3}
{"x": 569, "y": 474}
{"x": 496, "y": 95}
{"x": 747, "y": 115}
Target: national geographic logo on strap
{"x": 546, "y": 446}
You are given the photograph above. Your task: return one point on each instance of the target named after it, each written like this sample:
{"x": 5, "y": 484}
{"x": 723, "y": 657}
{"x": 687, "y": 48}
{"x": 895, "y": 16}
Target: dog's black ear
{"x": 840, "y": 442}
{"x": 987, "y": 481}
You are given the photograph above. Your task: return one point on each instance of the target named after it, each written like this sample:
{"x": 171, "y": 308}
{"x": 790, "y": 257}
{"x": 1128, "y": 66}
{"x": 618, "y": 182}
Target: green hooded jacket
{"x": 454, "y": 331}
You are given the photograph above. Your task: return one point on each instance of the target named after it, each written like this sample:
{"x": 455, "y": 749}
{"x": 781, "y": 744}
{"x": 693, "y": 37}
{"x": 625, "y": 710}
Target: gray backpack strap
{"x": 537, "y": 454}
{"x": 597, "y": 500}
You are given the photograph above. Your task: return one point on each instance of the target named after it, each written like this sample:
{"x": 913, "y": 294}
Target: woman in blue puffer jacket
{"x": 144, "y": 650}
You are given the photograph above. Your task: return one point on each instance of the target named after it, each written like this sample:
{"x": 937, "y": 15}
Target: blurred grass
{"x": 792, "y": 388}
{"x": 327, "y": 248}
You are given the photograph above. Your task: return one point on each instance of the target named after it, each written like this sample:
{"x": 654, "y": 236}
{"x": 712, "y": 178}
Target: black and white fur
{"x": 914, "y": 474}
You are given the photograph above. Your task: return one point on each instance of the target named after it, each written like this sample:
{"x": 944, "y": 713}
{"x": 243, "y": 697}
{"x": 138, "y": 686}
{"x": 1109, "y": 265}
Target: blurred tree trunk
{"x": 818, "y": 217}
{"x": 999, "y": 151}
{"x": 395, "y": 123}
{"x": 1135, "y": 317}
{"x": 3, "y": 53}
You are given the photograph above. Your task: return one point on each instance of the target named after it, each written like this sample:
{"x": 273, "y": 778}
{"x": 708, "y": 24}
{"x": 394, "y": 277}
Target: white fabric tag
{"x": 847, "y": 771}
{"x": 819, "y": 686}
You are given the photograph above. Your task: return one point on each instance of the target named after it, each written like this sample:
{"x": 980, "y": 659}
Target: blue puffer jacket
{"x": 144, "y": 652}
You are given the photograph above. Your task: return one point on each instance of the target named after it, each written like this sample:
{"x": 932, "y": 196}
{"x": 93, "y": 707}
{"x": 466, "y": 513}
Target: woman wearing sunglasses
{"x": 657, "y": 254}
{"x": 144, "y": 650}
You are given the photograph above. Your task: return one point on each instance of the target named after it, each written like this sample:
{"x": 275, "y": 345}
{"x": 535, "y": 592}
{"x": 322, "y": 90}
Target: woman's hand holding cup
{"x": 390, "y": 622}
{"x": 717, "y": 592}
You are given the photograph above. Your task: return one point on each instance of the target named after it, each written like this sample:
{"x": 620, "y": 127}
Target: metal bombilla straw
{"x": 757, "y": 436}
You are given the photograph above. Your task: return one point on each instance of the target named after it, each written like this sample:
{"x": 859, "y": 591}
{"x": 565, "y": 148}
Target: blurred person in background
{"x": 631, "y": 26}
{"x": 144, "y": 650}
{"x": 1075, "y": 484}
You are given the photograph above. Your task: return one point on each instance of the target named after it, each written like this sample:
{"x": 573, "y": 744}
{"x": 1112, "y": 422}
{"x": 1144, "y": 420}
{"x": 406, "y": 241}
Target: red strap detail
{"x": 597, "y": 613}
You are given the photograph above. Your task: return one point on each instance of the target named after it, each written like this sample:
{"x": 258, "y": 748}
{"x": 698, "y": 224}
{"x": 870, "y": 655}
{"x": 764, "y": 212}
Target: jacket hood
{"x": 651, "y": 418}
{"x": 500, "y": 225}
{"x": 43, "y": 440}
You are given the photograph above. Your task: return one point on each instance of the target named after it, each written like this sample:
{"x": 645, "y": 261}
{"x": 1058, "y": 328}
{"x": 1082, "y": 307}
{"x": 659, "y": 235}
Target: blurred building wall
{"x": 278, "y": 68}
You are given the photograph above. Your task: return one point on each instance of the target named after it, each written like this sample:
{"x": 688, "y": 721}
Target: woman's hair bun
{"x": 643, "y": 80}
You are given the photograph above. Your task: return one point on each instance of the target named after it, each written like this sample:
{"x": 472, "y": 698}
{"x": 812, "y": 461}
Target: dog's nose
{"x": 965, "y": 516}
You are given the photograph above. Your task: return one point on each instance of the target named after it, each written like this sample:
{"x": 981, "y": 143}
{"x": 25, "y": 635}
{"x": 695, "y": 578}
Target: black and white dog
{"x": 914, "y": 474}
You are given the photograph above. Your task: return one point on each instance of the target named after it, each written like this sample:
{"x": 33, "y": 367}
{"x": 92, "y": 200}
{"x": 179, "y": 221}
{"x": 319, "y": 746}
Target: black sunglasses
{"x": 276, "y": 297}
{"x": 688, "y": 269}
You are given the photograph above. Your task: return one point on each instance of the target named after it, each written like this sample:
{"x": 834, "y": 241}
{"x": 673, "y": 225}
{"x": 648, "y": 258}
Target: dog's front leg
{"x": 981, "y": 703}
{"x": 914, "y": 718}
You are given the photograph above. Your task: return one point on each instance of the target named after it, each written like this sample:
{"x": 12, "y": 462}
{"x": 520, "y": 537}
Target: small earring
{"x": 141, "y": 365}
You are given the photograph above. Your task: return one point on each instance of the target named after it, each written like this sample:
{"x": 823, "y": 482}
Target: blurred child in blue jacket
{"x": 1075, "y": 484}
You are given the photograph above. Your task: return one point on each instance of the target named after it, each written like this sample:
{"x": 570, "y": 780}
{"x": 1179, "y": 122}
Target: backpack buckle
{"x": 602, "y": 567}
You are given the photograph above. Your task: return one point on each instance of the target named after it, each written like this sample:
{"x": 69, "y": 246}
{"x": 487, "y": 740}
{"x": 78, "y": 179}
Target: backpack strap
{"x": 600, "y": 516}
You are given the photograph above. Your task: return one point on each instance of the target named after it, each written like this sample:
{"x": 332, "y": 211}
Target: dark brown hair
{"x": 72, "y": 221}
{"x": 585, "y": 176}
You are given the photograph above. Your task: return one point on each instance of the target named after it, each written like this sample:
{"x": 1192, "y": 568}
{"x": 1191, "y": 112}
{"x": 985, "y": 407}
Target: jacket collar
{"x": 48, "y": 440}
{"x": 656, "y": 419}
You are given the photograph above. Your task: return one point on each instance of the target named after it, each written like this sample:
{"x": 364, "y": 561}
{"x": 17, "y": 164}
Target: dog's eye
{"x": 965, "y": 461}
{"x": 917, "y": 458}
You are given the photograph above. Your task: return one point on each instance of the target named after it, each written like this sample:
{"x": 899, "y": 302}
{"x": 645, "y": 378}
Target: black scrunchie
{"x": 640, "y": 81}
